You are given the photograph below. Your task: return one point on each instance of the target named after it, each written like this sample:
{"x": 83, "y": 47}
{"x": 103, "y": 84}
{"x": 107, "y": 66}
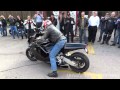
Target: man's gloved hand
{"x": 38, "y": 40}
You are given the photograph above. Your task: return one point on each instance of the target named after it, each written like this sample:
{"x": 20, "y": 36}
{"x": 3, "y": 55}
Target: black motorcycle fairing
{"x": 39, "y": 52}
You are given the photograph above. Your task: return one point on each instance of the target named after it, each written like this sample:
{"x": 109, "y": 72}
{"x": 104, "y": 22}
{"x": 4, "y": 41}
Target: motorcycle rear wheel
{"x": 82, "y": 62}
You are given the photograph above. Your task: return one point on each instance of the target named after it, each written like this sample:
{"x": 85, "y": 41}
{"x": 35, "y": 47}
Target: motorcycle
{"x": 78, "y": 62}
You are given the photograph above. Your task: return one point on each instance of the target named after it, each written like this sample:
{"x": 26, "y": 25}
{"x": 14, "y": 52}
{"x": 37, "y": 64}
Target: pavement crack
{"x": 19, "y": 67}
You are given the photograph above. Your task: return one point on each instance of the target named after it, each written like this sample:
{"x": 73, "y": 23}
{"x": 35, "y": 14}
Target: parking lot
{"x": 104, "y": 62}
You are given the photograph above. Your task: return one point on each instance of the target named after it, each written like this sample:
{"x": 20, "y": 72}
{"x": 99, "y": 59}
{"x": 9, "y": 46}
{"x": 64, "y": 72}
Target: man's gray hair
{"x": 94, "y": 12}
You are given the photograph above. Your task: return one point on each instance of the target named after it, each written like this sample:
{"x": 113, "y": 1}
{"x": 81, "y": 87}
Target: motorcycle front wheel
{"x": 30, "y": 55}
{"x": 82, "y": 62}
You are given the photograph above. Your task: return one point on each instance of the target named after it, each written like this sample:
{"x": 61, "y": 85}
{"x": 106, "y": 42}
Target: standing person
{"x": 117, "y": 35}
{"x": 53, "y": 20}
{"x": 4, "y": 25}
{"x": 61, "y": 21}
{"x": 29, "y": 25}
{"x": 103, "y": 26}
{"x": 69, "y": 22}
{"x": 38, "y": 19}
{"x": 82, "y": 24}
{"x": 21, "y": 26}
{"x": 110, "y": 26}
{"x": 115, "y": 30}
{"x": 1, "y": 29}
{"x": 94, "y": 22}
{"x": 13, "y": 27}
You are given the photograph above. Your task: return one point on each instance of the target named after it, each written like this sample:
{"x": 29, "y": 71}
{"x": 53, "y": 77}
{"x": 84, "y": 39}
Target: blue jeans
{"x": 53, "y": 53}
{"x": 81, "y": 33}
{"x": 101, "y": 34}
{"x": 4, "y": 31}
{"x": 117, "y": 36}
{"x": 22, "y": 32}
{"x": 14, "y": 31}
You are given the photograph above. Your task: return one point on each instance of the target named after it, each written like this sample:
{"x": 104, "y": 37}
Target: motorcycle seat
{"x": 74, "y": 46}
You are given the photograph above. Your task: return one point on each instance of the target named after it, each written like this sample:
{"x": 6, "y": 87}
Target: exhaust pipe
{"x": 68, "y": 61}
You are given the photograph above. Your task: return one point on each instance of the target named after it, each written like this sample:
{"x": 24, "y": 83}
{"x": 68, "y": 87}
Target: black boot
{"x": 53, "y": 74}
{"x": 102, "y": 43}
{"x": 98, "y": 41}
{"x": 107, "y": 40}
{"x": 113, "y": 44}
{"x": 104, "y": 38}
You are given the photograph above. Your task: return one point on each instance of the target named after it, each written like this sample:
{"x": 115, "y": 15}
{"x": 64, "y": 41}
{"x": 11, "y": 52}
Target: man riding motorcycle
{"x": 56, "y": 37}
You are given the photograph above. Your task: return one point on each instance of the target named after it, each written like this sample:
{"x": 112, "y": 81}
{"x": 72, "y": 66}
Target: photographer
{"x": 4, "y": 25}
{"x": 20, "y": 26}
{"x": 110, "y": 26}
{"x": 103, "y": 26}
{"x": 53, "y": 20}
{"x": 29, "y": 26}
{"x": 13, "y": 27}
{"x": 69, "y": 22}
{"x": 38, "y": 19}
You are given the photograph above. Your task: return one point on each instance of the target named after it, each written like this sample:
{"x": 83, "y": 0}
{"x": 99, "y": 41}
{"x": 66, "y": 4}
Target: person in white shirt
{"x": 29, "y": 26}
{"x": 94, "y": 22}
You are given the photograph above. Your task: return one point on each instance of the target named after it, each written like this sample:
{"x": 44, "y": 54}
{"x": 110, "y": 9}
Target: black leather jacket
{"x": 12, "y": 21}
{"x": 68, "y": 24}
{"x": 53, "y": 34}
{"x": 111, "y": 23}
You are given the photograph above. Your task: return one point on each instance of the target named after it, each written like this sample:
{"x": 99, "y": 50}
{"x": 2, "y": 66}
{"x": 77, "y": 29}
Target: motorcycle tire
{"x": 84, "y": 60}
{"x": 30, "y": 57}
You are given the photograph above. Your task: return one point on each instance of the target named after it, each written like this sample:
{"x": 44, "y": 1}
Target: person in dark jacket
{"x": 53, "y": 20}
{"x": 110, "y": 26}
{"x": 20, "y": 26}
{"x": 56, "y": 37}
{"x": 117, "y": 35}
{"x": 13, "y": 27}
{"x": 103, "y": 26}
{"x": 69, "y": 22}
{"x": 61, "y": 21}
{"x": 82, "y": 24}
{"x": 4, "y": 25}
{"x": 1, "y": 29}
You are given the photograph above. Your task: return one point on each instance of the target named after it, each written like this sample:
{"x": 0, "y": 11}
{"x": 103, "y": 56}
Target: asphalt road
{"x": 104, "y": 62}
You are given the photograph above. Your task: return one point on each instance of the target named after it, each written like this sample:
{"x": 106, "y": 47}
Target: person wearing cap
{"x": 69, "y": 22}
{"x": 53, "y": 20}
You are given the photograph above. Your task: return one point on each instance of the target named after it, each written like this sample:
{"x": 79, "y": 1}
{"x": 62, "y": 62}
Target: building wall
{"x": 23, "y": 14}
